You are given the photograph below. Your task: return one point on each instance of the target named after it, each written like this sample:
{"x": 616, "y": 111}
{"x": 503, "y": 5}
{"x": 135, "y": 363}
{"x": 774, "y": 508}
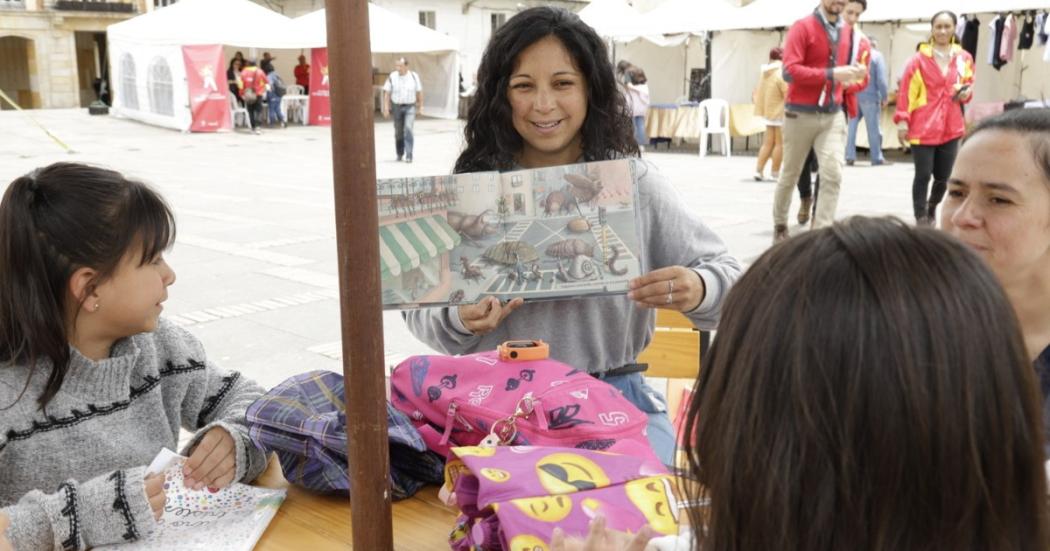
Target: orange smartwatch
{"x": 523, "y": 351}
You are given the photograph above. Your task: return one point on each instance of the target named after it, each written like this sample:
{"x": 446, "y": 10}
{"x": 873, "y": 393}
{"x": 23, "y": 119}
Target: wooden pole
{"x": 357, "y": 220}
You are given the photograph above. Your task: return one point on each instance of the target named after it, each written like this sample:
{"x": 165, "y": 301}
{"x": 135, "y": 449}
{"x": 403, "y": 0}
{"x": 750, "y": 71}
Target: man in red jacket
{"x": 817, "y": 67}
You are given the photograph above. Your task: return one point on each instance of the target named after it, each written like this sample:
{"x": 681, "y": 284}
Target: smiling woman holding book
{"x": 547, "y": 96}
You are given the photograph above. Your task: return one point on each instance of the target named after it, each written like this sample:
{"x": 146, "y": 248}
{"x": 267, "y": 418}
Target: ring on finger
{"x": 670, "y": 299}
{"x": 670, "y": 286}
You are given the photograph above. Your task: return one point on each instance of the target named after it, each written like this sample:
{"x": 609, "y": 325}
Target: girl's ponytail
{"x": 32, "y": 324}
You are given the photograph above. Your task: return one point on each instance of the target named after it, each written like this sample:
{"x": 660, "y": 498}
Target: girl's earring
{"x": 95, "y": 308}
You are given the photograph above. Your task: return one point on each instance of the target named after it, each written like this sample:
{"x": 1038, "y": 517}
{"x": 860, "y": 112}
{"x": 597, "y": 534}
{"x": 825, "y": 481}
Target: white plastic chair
{"x": 295, "y": 103}
{"x": 238, "y": 110}
{"x": 714, "y": 119}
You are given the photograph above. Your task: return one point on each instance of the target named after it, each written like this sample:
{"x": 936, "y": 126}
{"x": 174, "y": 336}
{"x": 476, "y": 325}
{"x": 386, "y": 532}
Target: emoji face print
{"x": 565, "y": 473}
{"x": 526, "y": 542}
{"x": 655, "y": 498}
{"x": 545, "y": 508}
{"x": 475, "y": 451}
{"x": 495, "y": 475}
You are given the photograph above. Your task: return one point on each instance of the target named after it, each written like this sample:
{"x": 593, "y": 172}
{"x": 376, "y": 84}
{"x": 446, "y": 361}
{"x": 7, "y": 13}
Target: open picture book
{"x": 232, "y": 519}
{"x": 555, "y": 232}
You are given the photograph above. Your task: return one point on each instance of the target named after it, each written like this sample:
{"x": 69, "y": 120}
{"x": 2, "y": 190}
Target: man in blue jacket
{"x": 872, "y": 100}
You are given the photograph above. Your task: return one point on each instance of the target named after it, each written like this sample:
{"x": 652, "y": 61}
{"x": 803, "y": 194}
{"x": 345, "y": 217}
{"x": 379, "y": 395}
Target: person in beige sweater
{"x": 769, "y": 107}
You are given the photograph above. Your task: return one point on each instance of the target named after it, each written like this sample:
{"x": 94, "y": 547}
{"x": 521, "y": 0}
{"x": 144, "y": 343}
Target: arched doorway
{"x": 18, "y": 72}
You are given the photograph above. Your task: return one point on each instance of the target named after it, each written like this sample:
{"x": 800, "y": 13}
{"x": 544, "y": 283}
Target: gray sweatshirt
{"x": 71, "y": 478}
{"x": 602, "y": 333}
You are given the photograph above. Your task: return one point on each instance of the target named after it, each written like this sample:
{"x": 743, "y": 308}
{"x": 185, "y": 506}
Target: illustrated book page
{"x": 550, "y": 233}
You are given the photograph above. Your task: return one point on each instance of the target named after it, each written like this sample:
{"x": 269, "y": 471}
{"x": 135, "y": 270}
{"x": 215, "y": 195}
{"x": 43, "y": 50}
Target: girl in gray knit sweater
{"x": 92, "y": 382}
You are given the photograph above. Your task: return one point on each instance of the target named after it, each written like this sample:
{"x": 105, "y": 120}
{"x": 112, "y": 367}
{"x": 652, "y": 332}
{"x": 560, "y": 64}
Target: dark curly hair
{"x": 491, "y": 139}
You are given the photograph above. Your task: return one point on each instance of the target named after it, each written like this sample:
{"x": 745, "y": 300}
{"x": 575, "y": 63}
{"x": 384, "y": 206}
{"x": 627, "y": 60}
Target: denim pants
{"x": 659, "y": 431}
{"x": 871, "y": 113}
{"x": 404, "y": 118}
{"x": 639, "y": 130}
{"x": 273, "y": 102}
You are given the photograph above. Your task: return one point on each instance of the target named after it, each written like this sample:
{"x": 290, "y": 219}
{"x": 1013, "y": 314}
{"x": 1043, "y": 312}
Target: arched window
{"x": 158, "y": 82}
{"x": 129, "y": 91}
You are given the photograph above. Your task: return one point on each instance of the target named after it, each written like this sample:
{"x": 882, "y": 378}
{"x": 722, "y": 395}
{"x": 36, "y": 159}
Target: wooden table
{"x": 312, "y": 522}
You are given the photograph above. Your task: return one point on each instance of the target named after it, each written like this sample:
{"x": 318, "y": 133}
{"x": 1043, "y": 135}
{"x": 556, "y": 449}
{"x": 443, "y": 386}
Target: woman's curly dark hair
{"x": 491, "y": 139}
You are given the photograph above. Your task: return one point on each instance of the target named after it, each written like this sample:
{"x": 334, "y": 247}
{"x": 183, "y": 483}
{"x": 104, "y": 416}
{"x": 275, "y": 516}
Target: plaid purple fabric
{"x": 303, "y": 420}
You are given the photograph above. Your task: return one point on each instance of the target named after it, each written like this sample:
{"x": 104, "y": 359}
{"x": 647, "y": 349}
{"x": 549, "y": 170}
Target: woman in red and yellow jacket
{"x": 937, "y": 80}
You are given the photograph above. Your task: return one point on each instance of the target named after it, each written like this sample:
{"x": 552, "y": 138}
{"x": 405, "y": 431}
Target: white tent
{"x": 189, "y": 22}
{"x": 744, "y": 35}
{"x": 145, "y": 53}
{"x": 678, "y": 16}
{"x": 149, "y": 77}
{"x": 618, "y": 21}
{"x": 432, "y": 55}
{"x": 687, "y": 16}
{"x": 737, "y": 54}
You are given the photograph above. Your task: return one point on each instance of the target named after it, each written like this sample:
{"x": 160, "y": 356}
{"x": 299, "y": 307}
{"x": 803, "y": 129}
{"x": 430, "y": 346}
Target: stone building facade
{"x": 53, "y": 51}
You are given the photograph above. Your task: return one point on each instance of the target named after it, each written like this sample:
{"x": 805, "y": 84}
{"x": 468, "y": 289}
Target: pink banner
{"x": 320, "y": 105}
{"x": 206, "y": 80}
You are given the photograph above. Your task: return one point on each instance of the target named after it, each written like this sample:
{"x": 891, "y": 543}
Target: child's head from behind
{"x": 546, "y": 95}
{"x": 869, "y": 388}
{"x": 80, "y": 256}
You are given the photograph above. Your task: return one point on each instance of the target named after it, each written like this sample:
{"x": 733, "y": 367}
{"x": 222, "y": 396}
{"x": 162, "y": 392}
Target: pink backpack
{"x": 482, "y": 399}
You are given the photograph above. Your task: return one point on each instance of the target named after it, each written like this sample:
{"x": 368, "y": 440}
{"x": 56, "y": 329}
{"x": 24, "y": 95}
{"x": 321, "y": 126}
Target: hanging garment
{"x": 970, "y": 35}
{"x": 960, "y": 27}
{"x": 993, "y": 47}
{"x": 1040, "y": 29}
{"x": 1027, "y": 34}
{"x": 1046, "y": 31}
{"x": 1009, "y": 40}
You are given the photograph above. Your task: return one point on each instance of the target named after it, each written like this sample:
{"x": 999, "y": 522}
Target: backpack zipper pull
{"x": 529, "y": 406}
{"x": 450, "y": 421}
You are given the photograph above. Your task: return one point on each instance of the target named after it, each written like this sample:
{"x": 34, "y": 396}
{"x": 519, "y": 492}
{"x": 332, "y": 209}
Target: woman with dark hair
{"x": 937, "y": 80}
{"x": 547, "y": 96}
{"x": 849, "y": 404}
{"x": 769, "y": 108}
{"x": 999, "y": 204}
{"x": 233, "y": 78}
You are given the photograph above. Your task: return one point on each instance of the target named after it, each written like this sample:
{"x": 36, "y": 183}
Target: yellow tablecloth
{"x": 673, "y": 122}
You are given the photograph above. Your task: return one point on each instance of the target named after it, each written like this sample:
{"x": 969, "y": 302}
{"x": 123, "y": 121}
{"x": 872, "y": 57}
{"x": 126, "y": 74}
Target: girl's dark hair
{"x": 1031, "y": 123}
{"x": 852, "y": 400}
{"x": 492, "y": 142}
{"x": 949, "y": 13}
{"x": 54, "y": 221}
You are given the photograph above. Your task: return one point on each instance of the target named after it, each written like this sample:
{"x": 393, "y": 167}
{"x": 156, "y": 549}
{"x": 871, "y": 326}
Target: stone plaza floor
{"x": 255, "y": 256}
